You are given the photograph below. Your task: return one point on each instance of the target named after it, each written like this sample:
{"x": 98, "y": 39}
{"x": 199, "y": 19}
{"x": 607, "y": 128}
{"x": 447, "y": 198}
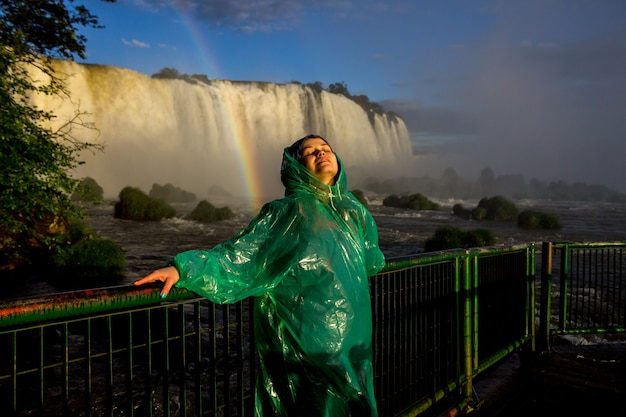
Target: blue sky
{"x": 531, "y": 87}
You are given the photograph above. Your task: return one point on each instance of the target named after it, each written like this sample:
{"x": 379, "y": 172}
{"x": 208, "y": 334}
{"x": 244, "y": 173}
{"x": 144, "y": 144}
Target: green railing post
{"x": 564, "y": 287}
{"x": 546, "y": 297}
{"x": 469, "y": 339}
{"x": 530, "y": 273}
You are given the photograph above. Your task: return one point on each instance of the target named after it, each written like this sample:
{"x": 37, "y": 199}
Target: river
{"x": 149, "y": 245}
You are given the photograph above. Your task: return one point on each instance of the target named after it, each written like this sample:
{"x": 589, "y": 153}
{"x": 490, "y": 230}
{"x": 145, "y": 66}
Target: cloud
{"x": 135, "y": 43}
{"x": 249, "y": 16}
{"x": 543, "y": 109}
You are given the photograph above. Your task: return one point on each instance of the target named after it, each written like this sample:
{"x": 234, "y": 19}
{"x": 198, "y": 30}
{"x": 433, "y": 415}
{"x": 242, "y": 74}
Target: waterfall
{"x": 223, "y": 133}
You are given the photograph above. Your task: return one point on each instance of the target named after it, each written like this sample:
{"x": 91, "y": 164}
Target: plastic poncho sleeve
{"x": 374, "y": 258}
{"x": 249, "y": 264}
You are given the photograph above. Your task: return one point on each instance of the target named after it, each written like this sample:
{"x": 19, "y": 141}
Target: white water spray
{"x": 227, "y": 134}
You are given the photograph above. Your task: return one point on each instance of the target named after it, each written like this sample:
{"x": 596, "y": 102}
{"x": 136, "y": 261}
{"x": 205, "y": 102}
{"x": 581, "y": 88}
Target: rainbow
{"x": 249, "y": 170}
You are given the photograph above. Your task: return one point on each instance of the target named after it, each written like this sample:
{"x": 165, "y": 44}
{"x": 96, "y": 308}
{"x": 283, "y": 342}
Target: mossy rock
{"x": 206, "y": 212}
{"x": 410, "y": 201}
{"x": 499, "y": 208}
{"x": 531, "y": 219}
{"x": 171, "y": 194}
{"x": 447, "y": 237}
{"x": 134, "y": 204}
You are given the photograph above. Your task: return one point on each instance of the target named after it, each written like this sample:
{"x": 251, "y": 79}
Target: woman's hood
{"x": 296, "y": 178}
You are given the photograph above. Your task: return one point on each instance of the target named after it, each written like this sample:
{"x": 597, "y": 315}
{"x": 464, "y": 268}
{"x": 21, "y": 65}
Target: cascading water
{"x": 226, "y": 134}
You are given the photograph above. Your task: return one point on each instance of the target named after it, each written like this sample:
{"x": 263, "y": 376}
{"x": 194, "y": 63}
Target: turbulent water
{"x": 149, "y": 245}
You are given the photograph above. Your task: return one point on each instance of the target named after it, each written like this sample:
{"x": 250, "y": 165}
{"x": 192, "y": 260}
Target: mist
{"x": 551, "y": 111}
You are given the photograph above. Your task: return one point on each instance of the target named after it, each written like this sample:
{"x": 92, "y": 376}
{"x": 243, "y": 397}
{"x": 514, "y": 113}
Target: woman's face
{"x": 318, "y": 157}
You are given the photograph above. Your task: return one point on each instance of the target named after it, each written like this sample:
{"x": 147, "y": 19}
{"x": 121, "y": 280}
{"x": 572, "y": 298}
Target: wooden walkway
{"x": 585, "y": 380}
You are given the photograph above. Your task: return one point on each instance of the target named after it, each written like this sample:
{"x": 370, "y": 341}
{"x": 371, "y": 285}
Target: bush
{"x": 171, "y": 194}
{"x": 77, "y": 231}
{"x": 102, "y": 257}
{"x": 477, "y": 238}
{"x": 88, "y": 263}
{"x": 459, "y": 210}
{"x": 451, "y": 238}
{"x": 206, "y": 212}
{"x": 412, "y": 201}
{"x": 478, "y": 213}
{"x": 530, "y": 219}
{"x": 134, "y": 204}
{"x": 499, "y": 208}
{"x": 88, "y": 191}
{"x": 358, "y": 194}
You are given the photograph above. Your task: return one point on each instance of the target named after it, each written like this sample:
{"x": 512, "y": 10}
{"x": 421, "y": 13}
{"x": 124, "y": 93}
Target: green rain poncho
{"x": 306, "y": 258}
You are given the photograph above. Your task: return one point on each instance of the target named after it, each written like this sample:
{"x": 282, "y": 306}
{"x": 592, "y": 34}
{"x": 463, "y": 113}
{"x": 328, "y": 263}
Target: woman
{"x": 306, "y": 258}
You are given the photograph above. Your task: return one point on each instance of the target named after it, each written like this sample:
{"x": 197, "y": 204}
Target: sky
{"x": 530, "y": 87}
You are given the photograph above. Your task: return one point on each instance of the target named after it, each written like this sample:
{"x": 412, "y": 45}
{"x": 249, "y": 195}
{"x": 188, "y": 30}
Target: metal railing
{"x": 587, "y": 280}
{"x": 440, "y": 319}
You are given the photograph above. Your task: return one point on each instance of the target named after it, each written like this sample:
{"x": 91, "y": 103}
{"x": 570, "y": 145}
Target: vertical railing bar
{"x": 65, "y": 394}
{"x": 14, "y": 382}
{"x": 617, "y": 285}
{"x": 197, "y": 358}
{"x": 129, "y": 372}
{"x": 226, "y": 352}
{"x": 212, "y": 351}
{"x": 88, "y": 368}
{"x": 621, "y": 283}
{"x": 457, "y": 283}
{"x": 148, "y": 375}
{"x": 468, "y": 325}
{"x": 376, "y": 323}
{"x": 603, "y": 285}
{"x": 166, "y": 365}
{"x": 586, "y": 284}
{"x": 564, "y": 278}
{"x": 240, "y": 375}
{"x": 394, "y": 335}
{"x": 385, "y": 351}
{"x": 593, "y": 295}
{"x": 614, "y": 277}
{"x": 253, "y": 358}
{"x": 109, "y": 365}
{"x": 584, "y": 322}
{"x": 183, "y": 360}
{"x": 406, "y": 323}
{"x": 42, "y": 365}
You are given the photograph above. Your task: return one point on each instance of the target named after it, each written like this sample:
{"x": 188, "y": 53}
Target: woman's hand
{"x": 168, "y": 275}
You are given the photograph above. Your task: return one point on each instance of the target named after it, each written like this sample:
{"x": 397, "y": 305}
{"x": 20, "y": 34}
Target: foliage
{"x": 531, "y": 219}
{"x": 35, "y": 185}
{"x": 499, "y": 208}
{"x": 411, "y": 201}
{"x": 173, "y": 74}
{"x": 358, "y": 194}
{"x": 206, "y": 212}
{"x": 88, "y": 191}
{"x": 88, "y": 263}
{"x": 459, "y": 210}
{"x": 134, "y": 204}
{"x": 451, "y": 238}
{"x": 171, "y": 194}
